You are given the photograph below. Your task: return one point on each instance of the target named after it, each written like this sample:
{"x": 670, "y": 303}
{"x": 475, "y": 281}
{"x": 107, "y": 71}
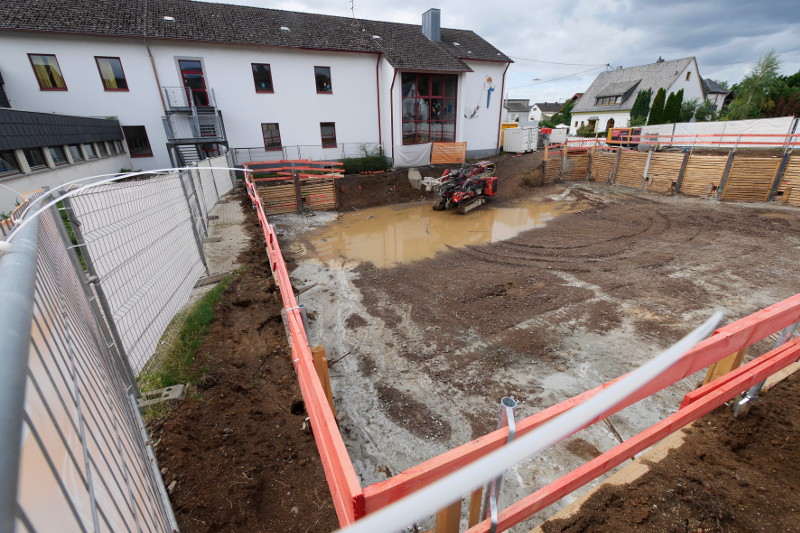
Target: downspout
{"x": 500, "y": 114}
{"x": 391, "y": 109}
{"x": 155, "y": 73}
{"x": 378, "y": 93}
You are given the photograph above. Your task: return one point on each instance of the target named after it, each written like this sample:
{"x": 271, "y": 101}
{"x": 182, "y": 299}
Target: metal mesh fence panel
{"x": 84, "y": 463}
{"x": 145, "y": 253}
{"x": 312, "y": 152}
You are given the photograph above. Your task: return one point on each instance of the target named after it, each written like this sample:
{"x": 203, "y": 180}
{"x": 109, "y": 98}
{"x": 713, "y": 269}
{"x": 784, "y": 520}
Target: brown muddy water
{"x": 391, "y": 235}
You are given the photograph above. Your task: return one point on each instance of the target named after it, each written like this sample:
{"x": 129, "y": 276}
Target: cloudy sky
{"x": 726, "y": 37}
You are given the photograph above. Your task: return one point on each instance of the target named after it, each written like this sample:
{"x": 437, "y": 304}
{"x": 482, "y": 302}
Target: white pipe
{"x": 447, "y": 490}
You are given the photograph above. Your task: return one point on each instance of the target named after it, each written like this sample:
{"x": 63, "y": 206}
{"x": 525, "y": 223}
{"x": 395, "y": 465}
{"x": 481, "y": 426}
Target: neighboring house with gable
{"x": 608, "y": 101}
{"x": 544, "y": 110}
{"x": 516, "y": 109}
{"x": 186, "y": 78}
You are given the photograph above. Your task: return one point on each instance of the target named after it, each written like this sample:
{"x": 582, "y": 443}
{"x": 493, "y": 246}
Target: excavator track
{"x": 471, "y": 204}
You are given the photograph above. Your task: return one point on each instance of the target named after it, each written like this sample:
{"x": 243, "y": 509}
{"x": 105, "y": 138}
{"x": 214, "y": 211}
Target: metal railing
{"x": 84, "y": 304}
{"x": 310, "y": 152}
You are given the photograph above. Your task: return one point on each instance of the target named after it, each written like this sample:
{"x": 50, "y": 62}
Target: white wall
{"x": 58, "y": 176}
{"x": 621, "y": 120}
{"x": 480, "y": 132}
{"x": 692, "y": 88}
{"x": 390, "y": 98}
{"x": 85, "y": 95}
{"x": 295, "y": 104}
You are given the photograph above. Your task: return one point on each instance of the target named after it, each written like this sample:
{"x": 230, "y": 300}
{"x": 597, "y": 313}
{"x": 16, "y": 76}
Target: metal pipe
{"x": 742, "y": 407}
{"x": 17, "y": 282}
{"x": 492, "y": 493}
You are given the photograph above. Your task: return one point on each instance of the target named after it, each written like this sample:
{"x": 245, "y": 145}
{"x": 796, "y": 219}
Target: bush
{"x": 371, "y": 161}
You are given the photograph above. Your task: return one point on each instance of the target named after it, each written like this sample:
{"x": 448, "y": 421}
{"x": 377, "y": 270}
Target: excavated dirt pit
{"x": 427, "y": 327}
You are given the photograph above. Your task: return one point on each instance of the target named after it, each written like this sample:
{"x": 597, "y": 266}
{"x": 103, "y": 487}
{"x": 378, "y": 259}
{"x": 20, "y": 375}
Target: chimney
{"x": 431, "y": 24}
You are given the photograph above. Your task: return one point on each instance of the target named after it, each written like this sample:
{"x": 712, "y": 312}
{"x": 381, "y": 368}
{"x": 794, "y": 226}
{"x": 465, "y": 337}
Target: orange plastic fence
{"x": 345, "y": 487}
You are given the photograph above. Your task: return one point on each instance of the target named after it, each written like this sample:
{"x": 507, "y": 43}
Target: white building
{"x": 516, "y": 110}
{"x": 608, "y": 101}
{"x": 184, "y": 76}
{"x": 543, "y": 110}
{"x": 715, "y": 94}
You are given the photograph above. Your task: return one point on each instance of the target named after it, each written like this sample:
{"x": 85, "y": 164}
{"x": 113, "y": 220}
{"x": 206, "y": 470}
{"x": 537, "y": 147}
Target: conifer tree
{"x": 657, "y": 110}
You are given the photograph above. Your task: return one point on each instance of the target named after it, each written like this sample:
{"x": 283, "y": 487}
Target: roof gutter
{"x": 391, "y": 109}
{"x": 155, "y": 73}
{"x": 378, "y": 93}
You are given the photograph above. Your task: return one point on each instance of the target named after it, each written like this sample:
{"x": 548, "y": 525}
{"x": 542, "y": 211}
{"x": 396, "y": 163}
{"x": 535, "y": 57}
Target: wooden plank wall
{"x": 750, "y": 179}
{"x": 319, "y": 194}
{"x": 790, "y": 181}
{"x": 553, "y": 169}
{"x": 603, "y": 165}
{"x": 280, "y": 197}
{"x": 663, "y": 171}
{"x": 702, "y": 170}
{"x": 577, "y": 167}
{"x": 631, "y": 169}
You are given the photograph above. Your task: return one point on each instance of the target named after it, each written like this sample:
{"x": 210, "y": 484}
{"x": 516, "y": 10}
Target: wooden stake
{"x": 321, "y": 366}
{"x": 475, "y": 501}
{"x": 723, "y": 366}
{"x": 448, "y": 520}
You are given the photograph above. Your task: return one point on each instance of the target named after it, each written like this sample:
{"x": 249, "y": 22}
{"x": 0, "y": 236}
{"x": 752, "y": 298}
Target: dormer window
{"x": 609, "y": 100}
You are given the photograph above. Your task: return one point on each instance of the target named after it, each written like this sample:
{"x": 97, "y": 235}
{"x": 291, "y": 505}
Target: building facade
{"x": 186, "y": 79}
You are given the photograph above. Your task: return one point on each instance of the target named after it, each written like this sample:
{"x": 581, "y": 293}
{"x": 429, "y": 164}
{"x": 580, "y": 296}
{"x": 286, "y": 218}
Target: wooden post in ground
{"x": 723, "y": 366}
{"x": 321, "y": 366}
{"x": 475, "y": 501}
{"x": 448, "y": 520}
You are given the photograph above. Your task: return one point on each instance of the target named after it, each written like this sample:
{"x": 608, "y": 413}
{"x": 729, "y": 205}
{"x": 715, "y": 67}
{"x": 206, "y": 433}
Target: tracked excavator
{"x": 465, "y": 188}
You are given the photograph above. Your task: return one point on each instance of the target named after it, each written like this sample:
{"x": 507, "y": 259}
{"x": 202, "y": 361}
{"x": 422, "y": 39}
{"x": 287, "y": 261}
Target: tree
{"x": 641, "y": 107}
{"x": 669, "y": 110}
{"x": 757, "y": 92}
{"x": 688, "y": 109}
{"x": 705, "y": 112}
{"x": 723, "y": 84}
{"x": 657, "y": 110}
{"x": 564, "y": 116}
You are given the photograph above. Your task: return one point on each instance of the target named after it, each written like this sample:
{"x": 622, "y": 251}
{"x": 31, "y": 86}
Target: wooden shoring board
{"x": 790, "y": 181}
{"x": 278, "y": 197}
{"x": 631, "y": 169}
{"x": 750, "y": 179}
{"x": 448, "y": 153}
{"x": 603, "y": 165}
{"x": 663, "y": 171}
{"x": 577, "y": 167}
{"x": 319, "y": 193}
{"x": 702, "y": 170}
{"x": 553, "y": 170}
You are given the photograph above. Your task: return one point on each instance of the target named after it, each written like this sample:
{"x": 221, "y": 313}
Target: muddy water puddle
{"x": 390, "y": 235}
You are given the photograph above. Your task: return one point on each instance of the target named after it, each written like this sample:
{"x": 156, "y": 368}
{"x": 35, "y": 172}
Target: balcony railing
{"x": 182, "y": 99}
{"x": 202, "y": 127}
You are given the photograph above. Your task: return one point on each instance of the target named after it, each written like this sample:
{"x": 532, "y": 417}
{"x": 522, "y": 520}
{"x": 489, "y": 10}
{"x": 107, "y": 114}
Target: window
{"x": 111, "y": 73}
{"x": 35, "y": 158}
{"x": 112, "y": 148}
{"x": 101, "y": 147}
{"x": 609, "y": 100}
{"x": 138, "y": 143}
{"x": 57, "y": 155}
{"x": 262, "y": 77}
{"x": 47, "y": 71}
{"x": 120, "y": 149}
{"x": 688, "y": 75}
{"x": 322, "y": 75}
{"x": 429, "y": 108}
{"x": 75, "y": 152}
{"x": 8, "y": 163}
{"x": 328, "y": 130}
{"x": 272, "y": 136}
{"x": 90, "y": 153}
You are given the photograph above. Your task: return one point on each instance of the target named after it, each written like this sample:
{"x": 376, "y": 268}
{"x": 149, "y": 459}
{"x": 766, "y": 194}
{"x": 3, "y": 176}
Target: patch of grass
{"x": 178, "y": 347}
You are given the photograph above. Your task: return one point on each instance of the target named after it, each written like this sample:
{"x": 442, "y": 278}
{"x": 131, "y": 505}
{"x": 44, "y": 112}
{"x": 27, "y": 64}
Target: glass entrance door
{"x": 193, "y": 82}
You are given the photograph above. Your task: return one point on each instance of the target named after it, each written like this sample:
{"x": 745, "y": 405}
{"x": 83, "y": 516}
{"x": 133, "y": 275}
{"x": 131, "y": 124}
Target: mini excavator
{"x": 465, "y": 188}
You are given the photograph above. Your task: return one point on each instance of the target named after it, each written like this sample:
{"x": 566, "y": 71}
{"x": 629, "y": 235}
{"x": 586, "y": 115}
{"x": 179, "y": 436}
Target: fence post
{"x": 724, "y": 180}
{"x": 17, "y": 283}
{"x": 646, "y": 168}
{"x": 564, "y": 159}
{"x": 94, "y": 279}
{"x": 591, "y": 158}
{"x": 776, "y": 183}
{"x": 613, "y": 177}
{"x": 197, "y": 238}
{"x": 682, "y": 171}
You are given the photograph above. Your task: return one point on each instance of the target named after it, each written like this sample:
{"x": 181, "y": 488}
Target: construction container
{"x": 520, "y": 140}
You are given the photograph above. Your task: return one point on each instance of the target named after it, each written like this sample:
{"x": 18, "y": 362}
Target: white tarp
{"x": 745, "y": 133}
{"x": 412, "y": 155}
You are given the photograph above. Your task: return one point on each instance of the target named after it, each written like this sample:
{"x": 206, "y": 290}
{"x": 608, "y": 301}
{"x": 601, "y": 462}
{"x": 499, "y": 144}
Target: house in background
{"x": 516, "y": 109}
{"x": 544, "y": 110}
{"x": 715, "y": 94}
{"x": 608, "y": 101}
{"x": 187, "y": 78}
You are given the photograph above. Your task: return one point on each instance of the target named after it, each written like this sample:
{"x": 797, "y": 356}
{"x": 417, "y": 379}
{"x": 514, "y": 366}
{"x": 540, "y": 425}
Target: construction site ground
{"x": 421, "y": 352}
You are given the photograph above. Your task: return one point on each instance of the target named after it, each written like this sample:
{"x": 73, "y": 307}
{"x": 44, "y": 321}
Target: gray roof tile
{"x": 404, "y": 45}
